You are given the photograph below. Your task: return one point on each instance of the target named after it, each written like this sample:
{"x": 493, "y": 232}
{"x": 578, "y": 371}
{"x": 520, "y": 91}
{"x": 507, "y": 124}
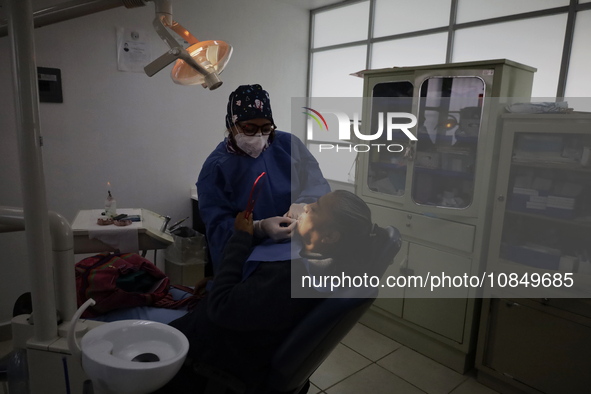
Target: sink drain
{"x": 146, "y": 358}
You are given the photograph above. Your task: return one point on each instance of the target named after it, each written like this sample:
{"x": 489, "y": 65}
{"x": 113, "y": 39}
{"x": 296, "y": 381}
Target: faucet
{"x": 165, "y": 224}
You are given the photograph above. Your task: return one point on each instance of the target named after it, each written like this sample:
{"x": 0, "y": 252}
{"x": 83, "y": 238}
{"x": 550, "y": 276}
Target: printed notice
{"x": 133, "y": 49}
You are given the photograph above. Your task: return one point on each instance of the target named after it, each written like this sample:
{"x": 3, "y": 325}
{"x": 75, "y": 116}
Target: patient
{"x": 240, "y": 323}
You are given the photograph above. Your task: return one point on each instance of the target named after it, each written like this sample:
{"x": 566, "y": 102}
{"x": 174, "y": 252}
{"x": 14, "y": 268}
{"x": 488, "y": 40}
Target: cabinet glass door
{"x": 386, "y": 172}
{"x": 448, "y": 128}
{"x": 547, "y": 221}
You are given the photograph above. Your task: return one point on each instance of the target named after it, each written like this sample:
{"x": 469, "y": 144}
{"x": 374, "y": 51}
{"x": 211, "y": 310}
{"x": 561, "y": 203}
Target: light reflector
{"x": 209, "y": 54}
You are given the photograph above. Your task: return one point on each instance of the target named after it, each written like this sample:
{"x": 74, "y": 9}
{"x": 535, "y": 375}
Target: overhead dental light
{"x": 201, "y": 63}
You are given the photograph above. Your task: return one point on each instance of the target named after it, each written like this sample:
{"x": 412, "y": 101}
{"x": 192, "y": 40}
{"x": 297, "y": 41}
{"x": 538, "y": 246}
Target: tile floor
{"x": 368, "y": 362}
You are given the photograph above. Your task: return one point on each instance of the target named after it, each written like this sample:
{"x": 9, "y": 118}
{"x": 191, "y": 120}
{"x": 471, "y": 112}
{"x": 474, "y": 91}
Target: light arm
{"x": 160, "y": 23}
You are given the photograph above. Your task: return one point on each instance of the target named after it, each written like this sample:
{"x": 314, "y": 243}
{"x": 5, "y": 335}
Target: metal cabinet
{"x": 445, "y": 315}
{"x": 436, "y": 188}
{"x": 531, "y": 339}
{"x": 530, "y": 346}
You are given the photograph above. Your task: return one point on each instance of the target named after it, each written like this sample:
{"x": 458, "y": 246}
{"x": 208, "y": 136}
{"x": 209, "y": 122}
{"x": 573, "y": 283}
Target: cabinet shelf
{"x": 390, "y": 166}
{"x": 434, "y": 171}
{"x": 552, "y": 166}
{"x": 440, "y": 140}
{"x": 444, "y": 173}
{"x": 449, "y": 138}
{"x": 566, "y": 222}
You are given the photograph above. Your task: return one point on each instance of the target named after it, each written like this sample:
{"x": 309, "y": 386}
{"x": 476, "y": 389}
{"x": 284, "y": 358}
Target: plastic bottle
{"x": 110, "y": 206}
{"x": 18, "y": 373}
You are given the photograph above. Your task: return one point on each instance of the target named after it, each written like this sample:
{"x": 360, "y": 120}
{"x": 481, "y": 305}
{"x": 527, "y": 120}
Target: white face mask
{"x": 252, "y": 145}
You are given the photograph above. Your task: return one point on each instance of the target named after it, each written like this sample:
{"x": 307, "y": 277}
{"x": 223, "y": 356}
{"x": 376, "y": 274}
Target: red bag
{"x": 117, "y": 281}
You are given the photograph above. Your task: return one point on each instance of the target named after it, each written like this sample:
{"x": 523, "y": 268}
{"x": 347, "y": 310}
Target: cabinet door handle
{"x": 512, "y": 304}
{"x": 406, "y": 271}
{"x": 404, "y": 263}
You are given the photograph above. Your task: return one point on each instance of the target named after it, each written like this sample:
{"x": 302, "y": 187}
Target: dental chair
{"x": 307, "y": 345}
{"x": 314, "y": 338}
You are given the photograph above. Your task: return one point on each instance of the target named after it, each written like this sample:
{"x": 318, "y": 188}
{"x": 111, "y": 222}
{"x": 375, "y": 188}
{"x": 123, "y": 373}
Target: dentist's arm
{"x": 257, "y": 303}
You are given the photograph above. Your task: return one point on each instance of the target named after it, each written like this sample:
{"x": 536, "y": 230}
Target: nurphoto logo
{"x": 345, "y": 130}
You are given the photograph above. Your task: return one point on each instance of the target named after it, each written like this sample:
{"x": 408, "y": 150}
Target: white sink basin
{"x": 132, "y": 356}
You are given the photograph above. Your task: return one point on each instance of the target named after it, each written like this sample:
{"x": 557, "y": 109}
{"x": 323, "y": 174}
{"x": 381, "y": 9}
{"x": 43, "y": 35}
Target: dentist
{"x": 253, "y": 145}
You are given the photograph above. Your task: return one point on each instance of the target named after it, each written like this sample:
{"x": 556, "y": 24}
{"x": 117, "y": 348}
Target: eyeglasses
{"x": 251, "y": 128}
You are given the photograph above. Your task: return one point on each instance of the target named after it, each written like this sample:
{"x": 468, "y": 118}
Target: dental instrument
{"x": 165, "y": 224}
{"x": 174, "y": 226}
{"x": 252, "y": 202}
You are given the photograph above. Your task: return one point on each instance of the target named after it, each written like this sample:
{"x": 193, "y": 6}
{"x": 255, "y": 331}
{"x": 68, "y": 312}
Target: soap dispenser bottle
{"x": 110, "y": 206}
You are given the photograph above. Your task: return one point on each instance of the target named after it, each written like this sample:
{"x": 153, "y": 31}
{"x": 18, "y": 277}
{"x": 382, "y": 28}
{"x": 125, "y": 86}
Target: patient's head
{"x": 338, "y": 220}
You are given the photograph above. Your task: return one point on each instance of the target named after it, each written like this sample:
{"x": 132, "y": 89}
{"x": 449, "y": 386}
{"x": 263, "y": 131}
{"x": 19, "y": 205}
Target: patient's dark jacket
{"x": 239, "y": 324}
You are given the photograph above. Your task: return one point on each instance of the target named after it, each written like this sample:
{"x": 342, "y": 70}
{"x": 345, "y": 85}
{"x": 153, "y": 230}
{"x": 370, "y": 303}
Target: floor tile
{"x": 341, "y": 363}
{"x": 472, "y": 373}
{"x": 375, "y": 380}
{"x": 471, "y": 386}
{"x": 369, "y": 343}
{"x": 421, "y": 371}
{"x": 313, "y": 389}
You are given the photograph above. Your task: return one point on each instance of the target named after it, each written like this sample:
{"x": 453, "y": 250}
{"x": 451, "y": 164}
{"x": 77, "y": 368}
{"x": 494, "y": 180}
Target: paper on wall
{"x": 133, "y": 49}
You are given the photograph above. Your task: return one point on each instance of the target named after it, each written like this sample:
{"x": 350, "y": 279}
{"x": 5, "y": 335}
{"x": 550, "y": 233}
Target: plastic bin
{"x": 184, "y": 260}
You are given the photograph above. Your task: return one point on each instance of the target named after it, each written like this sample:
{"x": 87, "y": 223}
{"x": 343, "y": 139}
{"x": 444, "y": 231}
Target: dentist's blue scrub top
{"x": 226, "y": 179}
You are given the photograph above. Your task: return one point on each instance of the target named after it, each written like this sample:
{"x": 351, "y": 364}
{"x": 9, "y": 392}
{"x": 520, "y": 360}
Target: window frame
{"x": 571, "y": 10}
